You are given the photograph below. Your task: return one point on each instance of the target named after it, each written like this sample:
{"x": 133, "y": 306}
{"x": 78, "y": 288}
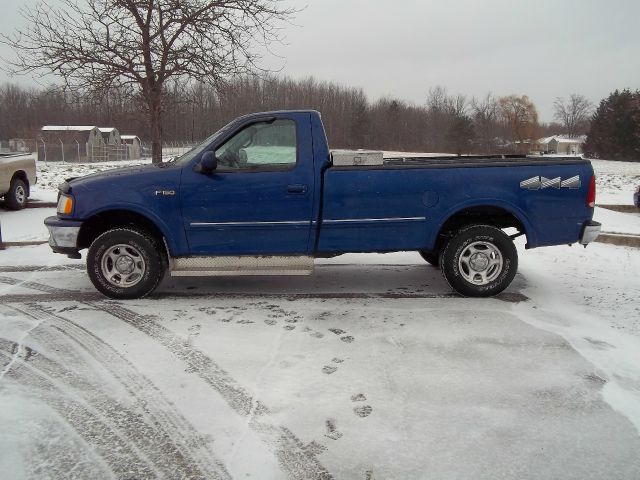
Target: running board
{"x": 244, "y": 265}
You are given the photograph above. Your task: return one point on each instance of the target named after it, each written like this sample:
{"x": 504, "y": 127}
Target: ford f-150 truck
{"x": 17, "y": 175}
{"x": 265, "y": 196}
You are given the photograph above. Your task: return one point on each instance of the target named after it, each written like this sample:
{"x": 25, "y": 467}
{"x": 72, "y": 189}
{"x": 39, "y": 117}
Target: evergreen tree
{"x": 615, "y": 128}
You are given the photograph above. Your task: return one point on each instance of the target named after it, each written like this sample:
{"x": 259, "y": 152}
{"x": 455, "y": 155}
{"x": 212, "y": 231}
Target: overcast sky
{"x": 401, "y": 48}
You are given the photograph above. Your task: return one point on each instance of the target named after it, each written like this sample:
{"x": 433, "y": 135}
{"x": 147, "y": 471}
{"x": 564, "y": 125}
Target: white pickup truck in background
{"x": 17, "y": 175}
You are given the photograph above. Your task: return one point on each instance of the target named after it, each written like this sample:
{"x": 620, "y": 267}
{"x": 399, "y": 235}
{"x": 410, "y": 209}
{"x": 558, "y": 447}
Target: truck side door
{"x": 259, "y": 200}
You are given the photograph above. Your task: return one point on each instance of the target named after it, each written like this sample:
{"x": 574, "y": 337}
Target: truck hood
{"x": 149, "y": 188}
{"x": 131, "y": 174}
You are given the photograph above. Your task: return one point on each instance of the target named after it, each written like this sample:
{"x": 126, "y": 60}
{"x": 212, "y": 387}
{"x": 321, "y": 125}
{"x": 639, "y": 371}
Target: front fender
{"x": 173, "y": 237}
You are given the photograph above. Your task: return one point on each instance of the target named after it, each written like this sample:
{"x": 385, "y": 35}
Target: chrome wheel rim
{"x": 123, "y": 265}
{"x": 21, "y": 195}
{"x": 480, "y": 263}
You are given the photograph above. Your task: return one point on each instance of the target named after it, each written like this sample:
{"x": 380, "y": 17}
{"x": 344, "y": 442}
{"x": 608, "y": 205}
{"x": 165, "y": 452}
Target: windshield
{"x": 198, "y": 149}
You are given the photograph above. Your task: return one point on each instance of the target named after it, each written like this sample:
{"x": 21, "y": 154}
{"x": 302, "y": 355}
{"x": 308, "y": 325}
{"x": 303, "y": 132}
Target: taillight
{"x": 591, "y": 195}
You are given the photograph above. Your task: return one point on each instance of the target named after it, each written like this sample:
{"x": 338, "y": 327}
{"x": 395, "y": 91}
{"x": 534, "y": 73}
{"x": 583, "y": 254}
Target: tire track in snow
{"x": 113, "y": 448}
{"x": 19, "y": 346}
{"x": 58, "y": 293}
{"x": 297, "y": 461}
{"x": 40, "y": 268}
{"x": 157, "y": 409}
{"x": 510, "y": 297}
{"x": 290, "y": 451}
{"x": 41, "y": 287}
{"x": 121, "y": 434}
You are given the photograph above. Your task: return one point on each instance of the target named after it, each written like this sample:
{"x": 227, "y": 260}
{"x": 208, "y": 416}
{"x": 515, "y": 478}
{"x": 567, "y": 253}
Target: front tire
{"x": 126, "y": 263}
{"x": 431, "y": 258}
{"x": 16, "y": 197}
{"x": 479, "y": 261}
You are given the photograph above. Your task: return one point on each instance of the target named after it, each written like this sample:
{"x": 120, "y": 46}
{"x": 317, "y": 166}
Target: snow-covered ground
{"x": 616, "y": 181}
{"x": 616, "y": 222}
{"x": 370, "y": 369}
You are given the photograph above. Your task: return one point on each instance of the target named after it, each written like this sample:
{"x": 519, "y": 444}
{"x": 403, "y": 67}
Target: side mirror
{"x": 208, "y": 163}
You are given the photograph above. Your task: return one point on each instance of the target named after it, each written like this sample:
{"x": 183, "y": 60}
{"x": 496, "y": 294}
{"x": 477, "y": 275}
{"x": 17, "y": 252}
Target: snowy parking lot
{"x": 370, "y": 369}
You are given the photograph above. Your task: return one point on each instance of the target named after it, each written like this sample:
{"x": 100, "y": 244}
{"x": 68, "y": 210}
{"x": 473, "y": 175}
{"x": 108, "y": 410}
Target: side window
{"x": 265, "y": 145}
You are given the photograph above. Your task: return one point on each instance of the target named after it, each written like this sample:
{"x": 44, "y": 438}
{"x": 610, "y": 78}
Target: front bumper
{"x": 63, "y": 235}
{"x": 590, "y": 232}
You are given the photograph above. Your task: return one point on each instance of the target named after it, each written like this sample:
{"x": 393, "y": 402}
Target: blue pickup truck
{"x": 266, "y": 196}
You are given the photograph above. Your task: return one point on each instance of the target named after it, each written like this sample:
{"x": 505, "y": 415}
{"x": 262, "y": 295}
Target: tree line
{"x": 451, "y": 123}
{"x": 177, "y": 70}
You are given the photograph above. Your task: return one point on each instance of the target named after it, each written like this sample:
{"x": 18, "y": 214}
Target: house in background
{"x": 542, "y": 145}
{"x": 57, "y": 143}
{"x": 567, "y": 145}
{"x": 133, "y": 145}
{"x": 560, "y": 144}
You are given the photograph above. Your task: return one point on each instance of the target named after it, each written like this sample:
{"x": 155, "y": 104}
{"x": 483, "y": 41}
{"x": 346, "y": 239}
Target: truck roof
{"x": 276, "y": 112}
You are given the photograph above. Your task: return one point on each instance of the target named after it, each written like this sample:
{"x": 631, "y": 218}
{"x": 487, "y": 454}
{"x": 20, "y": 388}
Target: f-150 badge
{"x": 538, "y": 183}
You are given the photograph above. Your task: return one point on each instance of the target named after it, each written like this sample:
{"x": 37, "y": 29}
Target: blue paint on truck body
{"x": 310, "y": 207}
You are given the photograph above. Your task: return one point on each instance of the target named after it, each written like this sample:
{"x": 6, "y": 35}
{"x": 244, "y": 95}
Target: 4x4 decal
{"x": 538, "y": 183}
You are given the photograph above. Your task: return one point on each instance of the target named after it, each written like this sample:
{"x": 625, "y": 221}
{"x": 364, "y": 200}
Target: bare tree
{"x": 447, "y": 117}
{"x": 573, "y": 113}
{"x": 96, "y": 45}
{"x": 521, "y": 118}
{"x": 485, "y": 113}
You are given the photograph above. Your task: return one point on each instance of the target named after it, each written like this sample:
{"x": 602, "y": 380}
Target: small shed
{"x": 71, "y": 143}
{"x": 111, "y": 138}
{"x": 110, "y": 135}
{"x": 133, "y": 145}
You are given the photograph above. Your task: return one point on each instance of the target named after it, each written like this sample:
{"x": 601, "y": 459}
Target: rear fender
{"x": 507, "y": 207}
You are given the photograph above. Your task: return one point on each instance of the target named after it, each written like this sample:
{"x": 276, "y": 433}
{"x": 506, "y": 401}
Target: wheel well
{"x": 101, "y": 222}
{"x": 486, "y": 215}
{"x": 22, "y": 175}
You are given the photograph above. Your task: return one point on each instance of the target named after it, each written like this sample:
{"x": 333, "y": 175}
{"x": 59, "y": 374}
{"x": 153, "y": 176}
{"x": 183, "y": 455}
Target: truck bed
{"x": 467, "y": 161}
{"x": 402, "y": 203}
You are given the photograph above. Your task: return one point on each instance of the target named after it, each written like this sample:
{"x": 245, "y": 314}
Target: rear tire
{"x": 126, "y": 263}
{"x": 479, "y": 261}
{"x": 16, "y": 197}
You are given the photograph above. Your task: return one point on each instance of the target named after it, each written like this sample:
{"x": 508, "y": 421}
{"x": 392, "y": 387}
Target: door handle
{"x": 297, "y": 189}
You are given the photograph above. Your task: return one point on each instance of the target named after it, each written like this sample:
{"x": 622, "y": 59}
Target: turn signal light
{"x": 65, "y": 204}
{"x": 591, "y": 194}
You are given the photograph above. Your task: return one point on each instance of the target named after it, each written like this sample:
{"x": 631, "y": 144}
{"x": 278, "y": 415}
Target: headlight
{"x": 65, "y": 204}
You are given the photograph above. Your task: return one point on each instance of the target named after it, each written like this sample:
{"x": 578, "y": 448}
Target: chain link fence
{"x": 170, "y": 149}
{"x": 76, "y": 152}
